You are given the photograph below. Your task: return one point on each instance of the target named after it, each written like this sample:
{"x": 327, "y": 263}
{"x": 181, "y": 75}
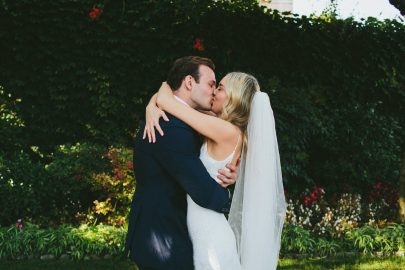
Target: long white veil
{"x": 258, "y": 207}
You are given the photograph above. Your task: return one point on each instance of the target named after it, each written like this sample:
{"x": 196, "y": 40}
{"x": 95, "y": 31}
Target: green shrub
{"x": 24, "y": 187}
{"x": 81, "y": 183}
{"x": 367, "y": 239}
{"x": 296, "y": 239}
{"x": 116, "y": 188}
{"x": 77, "y": 243}
{"x": 371, "y": 239}
{"x": 71, "y": 171}
{"x": 12, "y": 135}
{"x": 28, "y": 240}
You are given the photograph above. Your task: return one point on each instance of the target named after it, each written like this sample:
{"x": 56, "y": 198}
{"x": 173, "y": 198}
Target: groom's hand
{"x": 228, "y": 177}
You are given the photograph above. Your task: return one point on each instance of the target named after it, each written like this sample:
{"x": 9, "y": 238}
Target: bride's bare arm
{"x": 153, "y": 114}
{"x": 208, "y": 113}
{"x": 211, "y": 127}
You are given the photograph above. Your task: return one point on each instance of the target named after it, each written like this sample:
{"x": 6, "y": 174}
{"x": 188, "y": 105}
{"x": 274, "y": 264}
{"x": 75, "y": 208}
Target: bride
{"x": 243, "y": 127}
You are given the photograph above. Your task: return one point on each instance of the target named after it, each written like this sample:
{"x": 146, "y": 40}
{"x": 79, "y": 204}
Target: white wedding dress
{"x": 248, "y": 240}
{"x": 213, "y": 240}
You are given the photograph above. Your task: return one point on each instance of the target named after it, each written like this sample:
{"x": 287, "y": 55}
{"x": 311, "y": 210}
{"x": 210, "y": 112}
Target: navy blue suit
{"x": 166, "y": 171}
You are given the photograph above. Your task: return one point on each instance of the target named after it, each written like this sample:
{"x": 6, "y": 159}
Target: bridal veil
{"x": 258, "y": 207}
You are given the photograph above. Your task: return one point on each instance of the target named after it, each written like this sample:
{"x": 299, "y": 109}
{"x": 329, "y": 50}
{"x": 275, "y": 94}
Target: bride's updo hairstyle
{"x": 240, "y": 88}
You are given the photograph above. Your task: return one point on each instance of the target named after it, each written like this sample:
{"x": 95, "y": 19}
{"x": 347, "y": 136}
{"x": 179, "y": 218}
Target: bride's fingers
{"x": 153, "y": 133}
{"x": 165, "y": 117}
{"x": 144, "y": 133}
{"x": 159, "y": 129}
{"x": 149, "y": 136}
{"x": 157, "y": 126}
{"x": 149, "y": 133}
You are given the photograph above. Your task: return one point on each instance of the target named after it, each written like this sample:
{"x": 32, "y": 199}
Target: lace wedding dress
{"x": 213, "y": 240}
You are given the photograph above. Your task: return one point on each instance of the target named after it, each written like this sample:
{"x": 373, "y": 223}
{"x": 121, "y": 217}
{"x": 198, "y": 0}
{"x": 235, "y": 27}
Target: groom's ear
{"x": 188, "y": 82}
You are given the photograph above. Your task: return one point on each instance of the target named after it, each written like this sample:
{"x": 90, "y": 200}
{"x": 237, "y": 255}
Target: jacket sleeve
{"x": 178, "y": 153}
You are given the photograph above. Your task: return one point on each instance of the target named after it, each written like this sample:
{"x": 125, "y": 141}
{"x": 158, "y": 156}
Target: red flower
{"x": 313, "y": 196}
{"x": 95, "y": 13}
{"x": 198, "y": 45}
{"x": 307, "y": 200}
{"x": 130, "y": 165}
{"x": 385, "y": 191}
{"x": 120, "y": 222}
{"x": 318, "y": 190}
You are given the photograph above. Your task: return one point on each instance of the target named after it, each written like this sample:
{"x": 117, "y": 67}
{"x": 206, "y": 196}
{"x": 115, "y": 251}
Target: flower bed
{"x": 332, "y": 216}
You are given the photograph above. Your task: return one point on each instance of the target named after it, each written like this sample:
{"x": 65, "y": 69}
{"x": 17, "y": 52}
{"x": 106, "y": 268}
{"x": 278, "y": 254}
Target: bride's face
{"x": 219, "y": 97}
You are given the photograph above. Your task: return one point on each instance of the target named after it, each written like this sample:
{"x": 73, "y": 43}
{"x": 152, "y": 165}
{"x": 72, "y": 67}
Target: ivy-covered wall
{"x": 82, "y": 71}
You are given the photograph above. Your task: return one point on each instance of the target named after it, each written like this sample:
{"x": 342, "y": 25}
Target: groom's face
{"x": 201, "y": 92}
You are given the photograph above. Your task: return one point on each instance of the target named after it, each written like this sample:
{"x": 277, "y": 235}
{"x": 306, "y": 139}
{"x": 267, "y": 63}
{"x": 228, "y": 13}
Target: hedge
{"x": 336, "y": 86}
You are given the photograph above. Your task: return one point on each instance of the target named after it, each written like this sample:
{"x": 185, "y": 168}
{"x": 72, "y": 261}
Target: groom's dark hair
{"x": 184, "y": 66}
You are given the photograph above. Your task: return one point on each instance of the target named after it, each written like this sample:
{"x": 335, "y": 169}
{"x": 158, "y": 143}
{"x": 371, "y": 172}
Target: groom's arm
{"x": 178, "y": 154}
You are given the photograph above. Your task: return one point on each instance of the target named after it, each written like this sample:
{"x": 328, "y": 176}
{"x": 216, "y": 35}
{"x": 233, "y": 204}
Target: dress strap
{"x": 236, "y": 144}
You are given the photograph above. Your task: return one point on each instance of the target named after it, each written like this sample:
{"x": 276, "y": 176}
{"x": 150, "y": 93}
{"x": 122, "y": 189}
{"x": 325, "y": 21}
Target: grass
{"x": 67, "y": 265}
{"x": 360, "y": 263}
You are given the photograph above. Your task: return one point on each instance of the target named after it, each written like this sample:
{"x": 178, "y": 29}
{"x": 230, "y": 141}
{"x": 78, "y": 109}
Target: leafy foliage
{"x": 79, "y": 183}
{"x": 77, "y": 243}
{"x": 86, "y": 241}
{"x": 336, "y": 86}
{"x": 367, "y": 239}
{"x": 12, "y": 136}
{"x": 386, "y": 240}
{"x": 98, "y": 92}
{"x": 116, "y": 189}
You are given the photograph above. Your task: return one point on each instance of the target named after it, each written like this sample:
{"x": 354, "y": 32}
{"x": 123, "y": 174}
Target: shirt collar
{"x": 179, "y": 99}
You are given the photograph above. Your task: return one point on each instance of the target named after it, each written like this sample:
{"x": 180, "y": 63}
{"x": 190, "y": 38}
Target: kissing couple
{"x": 177, "y": 219}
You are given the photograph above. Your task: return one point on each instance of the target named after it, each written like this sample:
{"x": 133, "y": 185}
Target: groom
{"x": 168, "y": 170}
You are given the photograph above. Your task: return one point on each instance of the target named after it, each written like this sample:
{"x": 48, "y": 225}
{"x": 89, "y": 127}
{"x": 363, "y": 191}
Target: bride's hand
{"x": 152, "y": 115}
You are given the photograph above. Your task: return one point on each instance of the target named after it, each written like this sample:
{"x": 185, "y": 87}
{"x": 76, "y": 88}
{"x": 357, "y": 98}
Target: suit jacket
{"x": 165, "y": 172}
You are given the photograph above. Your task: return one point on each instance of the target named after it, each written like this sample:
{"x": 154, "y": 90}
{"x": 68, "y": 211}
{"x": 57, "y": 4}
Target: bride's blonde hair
{"x": 240, "y": 88}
